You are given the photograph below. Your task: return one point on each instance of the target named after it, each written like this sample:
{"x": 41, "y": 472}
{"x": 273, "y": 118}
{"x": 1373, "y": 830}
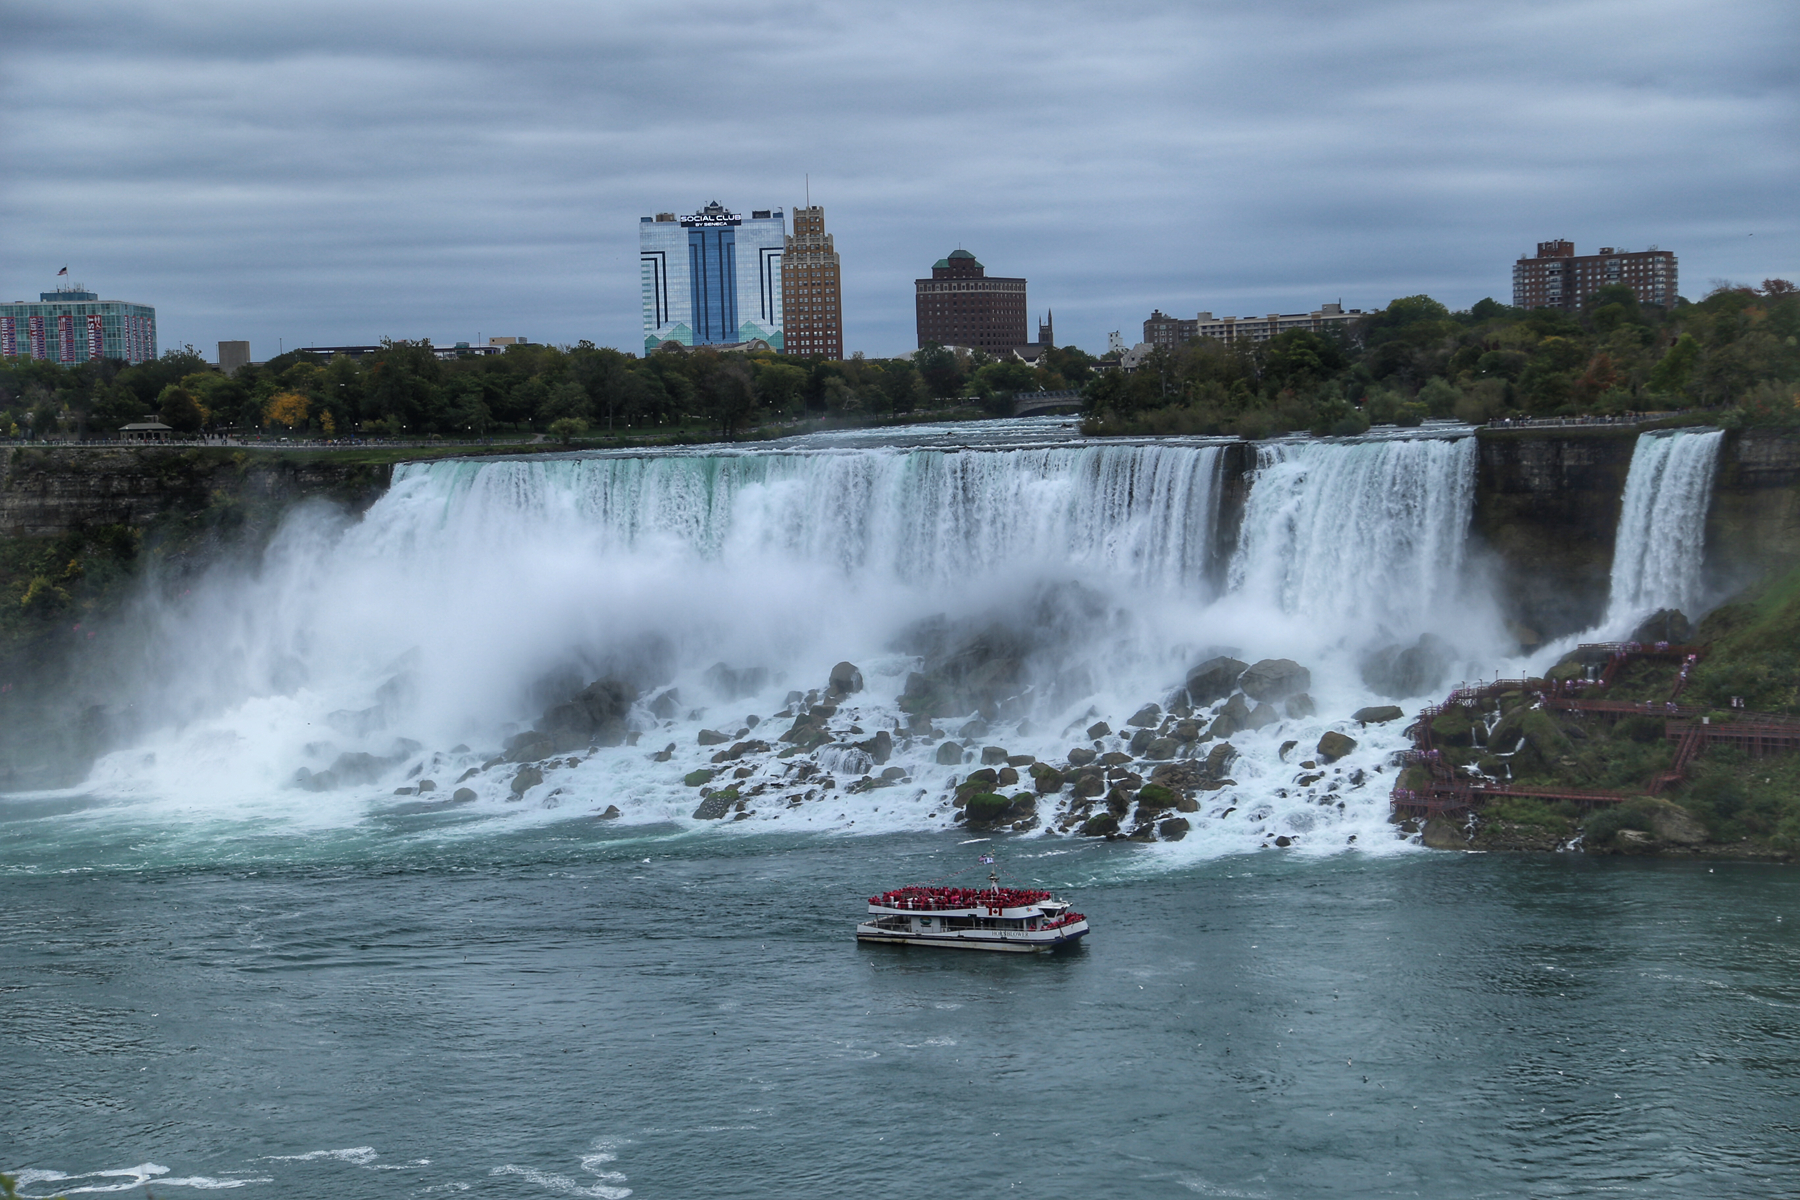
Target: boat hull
{"x": 975, "y": 940}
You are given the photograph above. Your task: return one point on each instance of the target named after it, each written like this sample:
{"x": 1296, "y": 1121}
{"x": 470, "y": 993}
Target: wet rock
{"x": 1089, "y": 782}
{"x": 1219, "y": 759}
{"x": 1098, "y": 730}
{"x": 993, "y": 755}
{"x": 1140, "y": 741}
{"x": 732, "y": 683}
{"x": 1162, "y": 749}
{"x": 1275, "y": 679}
{"x": 357, "y": 767}
{"x": 1299, "y": 706}
{"x": 949, "y": 754}
{"x": 1665, "y": 625}
{"x": 894, "y": 773}
{"x": 666, "y": 705}
{"x": 426, "y": 785}
{"x": 405, "y": 791}
{"x": 739, "y": 749}
{"x": 596, "y": 715}
{"x": 1112, "y": 758}
{"x": 1214, "y": 679}
{"x": 1173, "y": 829}
{"x": 1401, "y": 671}
{"x": 1186, "y": 731}
{"x": 1378, "y": 714}
{"x": 1046, "y": 779}
{"x": 1284, "y": 841}
{"x": 1153, "y": 798}
{"x": 1441, "y": 833}
{"x": 1145, "y": 717}
{"x": 528, "y": 777}
{"x": 1186, "y": 804}
{"x": 612, "y": 813}
{"x": 462, "y": 795}
{"x": 712, "y": 737}
{"x": 1008, "y": 776}
{"x": 1100, "y": 825}
{"x": 529, "y": 746}
{"x": 696, "y": 778}
{"x": 1261, "y": 717}
{"x": 845, "y": 679}
{"x": 1286, "y": 747}
{"x": 1080, "y": 756}
{"x": 1232, "y": 718}
{"x": 665, "y": 754}
{"x": 879, "y": 748}
{"x": 1335, "y": 745}
{"x": 716, "y": 805}
{"x": 1020, "y": 760}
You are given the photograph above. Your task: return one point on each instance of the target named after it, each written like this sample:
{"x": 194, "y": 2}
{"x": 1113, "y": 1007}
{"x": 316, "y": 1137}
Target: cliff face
{"x": 1547, "y": 509}
{"x": 1754, "y": 522}
{"x": 50, "y": 492}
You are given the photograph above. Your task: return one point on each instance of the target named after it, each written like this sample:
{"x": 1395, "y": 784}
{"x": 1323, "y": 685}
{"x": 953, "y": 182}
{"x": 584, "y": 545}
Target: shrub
{"x": 1602, "y": 827}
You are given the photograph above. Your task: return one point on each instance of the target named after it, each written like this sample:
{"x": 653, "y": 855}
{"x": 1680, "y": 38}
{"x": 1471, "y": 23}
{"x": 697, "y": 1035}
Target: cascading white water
{"x": 1372, "y": 529}
{"x": 1661, "y": 541}
{"x": 1146, "y": 512}
{"x": 431, "y": 618}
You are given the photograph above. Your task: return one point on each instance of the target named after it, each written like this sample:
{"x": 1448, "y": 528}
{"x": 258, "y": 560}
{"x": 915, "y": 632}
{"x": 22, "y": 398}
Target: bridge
{"x": 1066, "y": 400}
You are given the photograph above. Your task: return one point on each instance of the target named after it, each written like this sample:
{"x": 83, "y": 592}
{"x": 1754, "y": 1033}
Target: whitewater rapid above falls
{"x": 475, "y": 593}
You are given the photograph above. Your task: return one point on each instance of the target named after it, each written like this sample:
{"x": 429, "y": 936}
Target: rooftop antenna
{"x": 809, "y": 190}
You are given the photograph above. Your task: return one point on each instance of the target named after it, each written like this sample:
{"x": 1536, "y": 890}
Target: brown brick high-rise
{"x": 1557, "y": 277}
{"x": 812, "y": 298}
{"x": 961, "y": 306}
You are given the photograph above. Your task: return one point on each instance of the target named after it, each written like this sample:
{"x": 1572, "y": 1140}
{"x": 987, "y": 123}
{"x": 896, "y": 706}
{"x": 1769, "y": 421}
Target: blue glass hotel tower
{"x": 712, "y": 278}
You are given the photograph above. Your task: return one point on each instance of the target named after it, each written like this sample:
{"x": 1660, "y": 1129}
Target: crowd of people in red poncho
{"x": 932, "y": 899}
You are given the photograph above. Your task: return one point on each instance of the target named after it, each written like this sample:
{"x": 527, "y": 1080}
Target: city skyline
{"x": 254, "y": 179}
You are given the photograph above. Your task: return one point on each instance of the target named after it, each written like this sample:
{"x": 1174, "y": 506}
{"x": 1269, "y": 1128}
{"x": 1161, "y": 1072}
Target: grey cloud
{"x": 325, "y": 173}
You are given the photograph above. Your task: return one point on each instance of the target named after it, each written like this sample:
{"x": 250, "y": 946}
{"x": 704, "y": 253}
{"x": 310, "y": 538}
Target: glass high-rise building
{"x": 72, "y": 325}
{"x": 713, "y": 277}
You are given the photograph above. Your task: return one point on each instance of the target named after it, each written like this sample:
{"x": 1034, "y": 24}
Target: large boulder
{"x": 1234, "y": 717}
{"x": 1335, "y": 745}
{"x": 949, "y": 754}
{"x": 1275, "y": 679}
{"x": 716, "y": 805}
{"x": 1399, "y": 671}
{"x": 1046, "y": 778}
{"x": 1377, "y": 714}
{"x": 1664, "y": 625}
{"x": 595, "y": 715}
{"x": 1214, "y": 679}
{"x": 526, "y": 779}
{"x": 845, "y": 679}
{"x": 733, "y": 683}
{"x": 1261, "y": 717}
{"x": 1300, "y": 705}
{"x": 1145, "y": 717}
{"x": 880, "y": 748}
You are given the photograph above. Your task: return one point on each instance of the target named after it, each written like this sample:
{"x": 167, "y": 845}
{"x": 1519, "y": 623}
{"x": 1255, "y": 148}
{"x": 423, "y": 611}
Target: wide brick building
{"x": 961, "y": 305}
{"x": 1557, "y": 277}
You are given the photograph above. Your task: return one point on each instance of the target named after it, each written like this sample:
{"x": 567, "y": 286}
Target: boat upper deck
{"x": 992, "y": 901}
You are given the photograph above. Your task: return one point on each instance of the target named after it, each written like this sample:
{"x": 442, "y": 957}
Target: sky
{"x": 329, "y": 173}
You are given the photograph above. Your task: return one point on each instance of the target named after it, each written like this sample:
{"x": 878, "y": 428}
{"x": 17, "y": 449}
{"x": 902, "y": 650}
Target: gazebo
{"x": 145, "y": 431}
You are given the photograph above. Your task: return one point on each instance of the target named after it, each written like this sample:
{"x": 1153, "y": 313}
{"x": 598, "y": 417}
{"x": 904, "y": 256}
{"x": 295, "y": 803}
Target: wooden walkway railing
{"x": 1758, "y": 734}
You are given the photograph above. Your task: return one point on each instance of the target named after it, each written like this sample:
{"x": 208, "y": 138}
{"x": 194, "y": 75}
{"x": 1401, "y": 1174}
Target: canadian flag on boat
{"x": 987, "y": 859}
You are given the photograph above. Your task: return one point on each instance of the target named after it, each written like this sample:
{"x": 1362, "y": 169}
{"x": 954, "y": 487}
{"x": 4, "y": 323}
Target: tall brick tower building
{"x": 811, "y": 289}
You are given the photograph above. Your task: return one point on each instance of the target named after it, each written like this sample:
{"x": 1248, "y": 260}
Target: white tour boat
{"x": 1020, "y": 920}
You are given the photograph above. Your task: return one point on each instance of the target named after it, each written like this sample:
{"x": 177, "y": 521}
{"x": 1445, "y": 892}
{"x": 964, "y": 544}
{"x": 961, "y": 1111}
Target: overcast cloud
{"x": 328, "y": 173}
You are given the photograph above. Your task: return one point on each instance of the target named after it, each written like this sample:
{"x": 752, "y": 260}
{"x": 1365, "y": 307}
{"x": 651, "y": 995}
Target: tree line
{"x": 1416, "y": 359}
{"x": 405, "y": 390}
{"x": 1411, "y": 361}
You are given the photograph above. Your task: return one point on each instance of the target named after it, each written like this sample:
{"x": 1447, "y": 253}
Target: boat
{"x": 1015, "y": 920}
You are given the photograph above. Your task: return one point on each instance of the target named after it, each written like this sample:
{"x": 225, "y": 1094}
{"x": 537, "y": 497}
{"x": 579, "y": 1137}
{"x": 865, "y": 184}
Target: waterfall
{"x": 1372, "y": 529}
{"x": 1146, "y": 513}
{"x": 411, "y": 643}
{"x": 1657, "y": 554}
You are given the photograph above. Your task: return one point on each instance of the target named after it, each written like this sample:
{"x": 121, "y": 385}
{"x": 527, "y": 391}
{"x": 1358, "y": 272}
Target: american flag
{"x": 64, "y": 271}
